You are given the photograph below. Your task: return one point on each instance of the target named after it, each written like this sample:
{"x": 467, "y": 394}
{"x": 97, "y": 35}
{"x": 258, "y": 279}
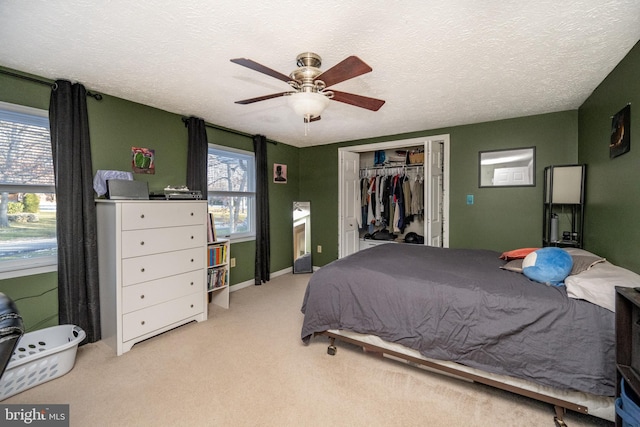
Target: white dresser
{"x": 153, "y": 268}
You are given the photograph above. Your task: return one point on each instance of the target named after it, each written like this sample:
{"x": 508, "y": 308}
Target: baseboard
{"x": 251, "y": 282}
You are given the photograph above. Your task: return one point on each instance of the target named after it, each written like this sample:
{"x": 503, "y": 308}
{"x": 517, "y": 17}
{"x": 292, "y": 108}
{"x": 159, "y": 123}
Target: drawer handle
{"x": 142, "y": 270}
{"x": 191, "y": 305}
{"x": 142, "y": 296}
{"x": 142, "y": 243}
{"x": 191, "y": 237}
{"x": 191, "y": 213}
{"x": 142, "y": 323}
{"x": 191, "y": 259}
{"x": 142, "y": 216}
{"x": 191, "y": 283}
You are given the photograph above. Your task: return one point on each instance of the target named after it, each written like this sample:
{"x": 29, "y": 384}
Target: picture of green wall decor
{"x": 142, "y": 160}
{"x": 620, "y": 142}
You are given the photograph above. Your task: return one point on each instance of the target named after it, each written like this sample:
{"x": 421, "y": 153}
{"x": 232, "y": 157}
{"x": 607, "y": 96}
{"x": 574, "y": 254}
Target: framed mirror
{"x": 302, "y": 237}
{"x": 507, "y": 168}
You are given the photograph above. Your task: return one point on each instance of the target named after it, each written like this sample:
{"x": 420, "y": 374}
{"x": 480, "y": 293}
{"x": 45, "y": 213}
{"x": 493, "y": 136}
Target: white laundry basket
{"x": 41, "y": 356}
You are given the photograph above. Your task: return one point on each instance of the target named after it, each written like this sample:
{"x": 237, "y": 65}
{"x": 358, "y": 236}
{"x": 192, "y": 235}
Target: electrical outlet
{"x": 319, "y": 249}
{"x": 232, "y": 262}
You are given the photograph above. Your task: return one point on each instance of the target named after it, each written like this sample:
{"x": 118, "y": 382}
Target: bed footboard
{"x": 560, "y": 405}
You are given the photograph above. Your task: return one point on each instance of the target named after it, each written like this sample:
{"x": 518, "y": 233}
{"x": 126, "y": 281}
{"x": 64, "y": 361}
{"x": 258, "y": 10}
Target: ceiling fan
{"x": 310, "y": 95}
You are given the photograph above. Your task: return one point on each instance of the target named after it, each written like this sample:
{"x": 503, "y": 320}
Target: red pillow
{"x": 517, "y": 253}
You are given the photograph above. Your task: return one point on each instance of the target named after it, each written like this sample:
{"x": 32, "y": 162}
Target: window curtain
{"x": 263, "y": 241}
{"x": 197, "y": 153}
{"x": 78, "y": 284}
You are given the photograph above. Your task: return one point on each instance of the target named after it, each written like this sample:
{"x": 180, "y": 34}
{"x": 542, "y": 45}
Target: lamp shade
{"x": 565, "y": 184}
{"x": 308, "y": 104}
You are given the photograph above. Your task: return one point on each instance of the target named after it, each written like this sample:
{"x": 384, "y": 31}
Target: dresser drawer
{"x": 156, "y": 240}
{"x": 153, "y": 215}
{"x": 136, "y": 297}
{"x": 152, "y": 267}
{"x": 144, "y": 321}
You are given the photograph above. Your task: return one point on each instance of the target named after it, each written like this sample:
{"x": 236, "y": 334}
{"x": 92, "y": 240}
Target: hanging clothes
{"x": 364, "y": 188}
{"x": 392, "y": 198}
{"x": 406, "y": 191}
{"x": 398, "y": 199}
{"x": 378, "y": 201}
{"x": 417, "y": 196}
{"x": 371, "y": 216}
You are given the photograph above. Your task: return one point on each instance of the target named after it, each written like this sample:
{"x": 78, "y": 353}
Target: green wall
{"x": 115, "y": 126}
{"x": 613, "y": 185}
{"x": 499, "y": 219}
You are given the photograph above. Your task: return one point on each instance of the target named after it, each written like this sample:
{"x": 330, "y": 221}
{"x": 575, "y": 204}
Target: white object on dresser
{"x": 152, "y": 268}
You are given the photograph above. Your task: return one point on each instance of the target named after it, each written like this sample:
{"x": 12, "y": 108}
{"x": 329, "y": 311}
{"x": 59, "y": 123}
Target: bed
{"x": 461, "y": 312}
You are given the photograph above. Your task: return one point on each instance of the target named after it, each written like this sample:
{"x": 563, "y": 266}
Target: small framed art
{"x": 279, "y": 173}
{"x": 620, "y": 142}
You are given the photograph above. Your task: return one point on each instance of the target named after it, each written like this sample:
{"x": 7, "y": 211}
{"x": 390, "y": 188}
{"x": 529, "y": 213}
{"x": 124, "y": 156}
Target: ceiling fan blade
{"x": 314, "y": 119}
{"x": 345, "y": 70}
{"x": 263, "y": 98}
{"x": 358, "y": 100}
{"x": 261, "y": 69}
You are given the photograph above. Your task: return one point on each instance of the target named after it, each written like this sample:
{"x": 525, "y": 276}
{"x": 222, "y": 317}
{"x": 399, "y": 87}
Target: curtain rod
{"x": 237, "y": 132}
{"x": 53, "y": 85}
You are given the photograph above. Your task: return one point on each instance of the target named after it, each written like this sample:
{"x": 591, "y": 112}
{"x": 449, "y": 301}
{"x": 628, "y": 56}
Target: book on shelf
{"x": 211, "y": 229}
{"x": 216, "y": 278}
{"x": 217, "y": 255}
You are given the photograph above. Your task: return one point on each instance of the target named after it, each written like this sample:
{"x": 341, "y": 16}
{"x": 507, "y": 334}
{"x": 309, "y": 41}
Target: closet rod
{"x": 390, "y": 167}
{"x": 237, "y": 132}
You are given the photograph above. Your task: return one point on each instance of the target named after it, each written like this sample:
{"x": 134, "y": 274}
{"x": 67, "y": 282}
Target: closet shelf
{"x": 391, "y": 169}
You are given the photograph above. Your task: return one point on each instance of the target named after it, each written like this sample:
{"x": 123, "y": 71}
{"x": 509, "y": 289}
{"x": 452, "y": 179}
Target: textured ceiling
{"x": 436, "y": 63}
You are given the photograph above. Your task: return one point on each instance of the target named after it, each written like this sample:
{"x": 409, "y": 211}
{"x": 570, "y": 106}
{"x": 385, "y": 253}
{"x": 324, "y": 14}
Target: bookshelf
{"x": 217, "y": 267}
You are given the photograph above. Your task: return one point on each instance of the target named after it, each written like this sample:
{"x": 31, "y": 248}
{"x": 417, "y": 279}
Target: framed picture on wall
{"x": 143, "y": 160}
{"x": 620, "y": 133}
{"x": 279, "y": 173}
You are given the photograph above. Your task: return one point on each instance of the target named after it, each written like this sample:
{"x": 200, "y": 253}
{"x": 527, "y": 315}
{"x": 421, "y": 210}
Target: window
{"x": 231, "y": 192}
{"x": 27, "y": 193}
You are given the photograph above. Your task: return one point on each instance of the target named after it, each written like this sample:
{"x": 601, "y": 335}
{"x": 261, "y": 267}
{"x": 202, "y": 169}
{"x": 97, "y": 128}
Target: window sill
{"x": 27, "y": 271}
{"x": 242, "y": 239}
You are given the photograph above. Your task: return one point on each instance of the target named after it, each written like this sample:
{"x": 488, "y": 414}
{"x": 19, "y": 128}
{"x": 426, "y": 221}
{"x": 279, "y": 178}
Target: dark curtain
{"x": 78, "y": 286}
{"x": 197, "y": 153}
{"x": 263, "y": 241}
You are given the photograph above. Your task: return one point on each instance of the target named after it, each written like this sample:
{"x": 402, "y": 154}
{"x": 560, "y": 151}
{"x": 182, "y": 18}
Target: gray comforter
{"x": 458, "y": 305}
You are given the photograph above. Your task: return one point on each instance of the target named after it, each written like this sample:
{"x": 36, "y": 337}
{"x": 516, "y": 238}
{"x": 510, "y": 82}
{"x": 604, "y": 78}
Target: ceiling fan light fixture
{"x": 309, "y": 105}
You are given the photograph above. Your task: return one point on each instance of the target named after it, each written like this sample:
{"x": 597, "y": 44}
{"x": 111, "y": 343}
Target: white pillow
{"x": 580, "y": 252}
{"x": 597, "y": 284}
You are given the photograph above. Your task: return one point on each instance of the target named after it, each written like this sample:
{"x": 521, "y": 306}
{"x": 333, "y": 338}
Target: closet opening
{"x": 415, "y": 170}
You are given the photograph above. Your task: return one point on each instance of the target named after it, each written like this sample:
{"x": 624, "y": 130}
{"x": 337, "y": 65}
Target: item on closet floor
{"x": 383, "y": 234}
{"x": 414, "y": 238}
{"x": 41, "y": 356}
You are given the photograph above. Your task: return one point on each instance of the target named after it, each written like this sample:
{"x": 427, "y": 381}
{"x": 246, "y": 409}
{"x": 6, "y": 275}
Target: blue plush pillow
{"x": 548, "y": 265}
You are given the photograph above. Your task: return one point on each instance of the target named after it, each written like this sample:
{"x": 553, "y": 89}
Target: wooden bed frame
{"x": 560, "y": 405}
